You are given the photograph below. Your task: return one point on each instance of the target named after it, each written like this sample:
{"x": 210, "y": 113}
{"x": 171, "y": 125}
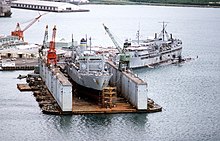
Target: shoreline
{"x": 152, "y": 4}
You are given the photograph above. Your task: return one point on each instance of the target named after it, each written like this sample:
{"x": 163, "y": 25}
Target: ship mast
{"x": 90, "y": 44}
{"x": 138, "y": 34}
{"x": 163, "y": 32}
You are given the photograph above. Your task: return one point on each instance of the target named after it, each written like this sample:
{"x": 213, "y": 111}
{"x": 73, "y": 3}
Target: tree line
{"x": 200, "y": 2}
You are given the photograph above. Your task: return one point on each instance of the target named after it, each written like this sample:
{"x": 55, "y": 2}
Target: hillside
{"x": 162, "y": 2}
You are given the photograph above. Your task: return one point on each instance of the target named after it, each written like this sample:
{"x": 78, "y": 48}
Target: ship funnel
{"x": 83, "y": 44}
{"x": 171, "y": 36}
{"x": 155, "y": 36}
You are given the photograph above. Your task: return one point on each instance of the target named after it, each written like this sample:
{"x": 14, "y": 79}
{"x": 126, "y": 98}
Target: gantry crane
{"x": 51, "y": 54}
{"x": 124, "y": 57}
{"x": 19, "y": 32}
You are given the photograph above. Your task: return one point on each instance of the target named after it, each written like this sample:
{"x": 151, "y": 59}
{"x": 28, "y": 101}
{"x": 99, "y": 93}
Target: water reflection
{"x": 97, "y": 120}
{"x": 93, "y": 124}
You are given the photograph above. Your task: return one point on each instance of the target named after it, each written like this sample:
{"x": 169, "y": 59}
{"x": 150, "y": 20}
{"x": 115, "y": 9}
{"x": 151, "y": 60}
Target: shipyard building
{"x": 47, "y": 6}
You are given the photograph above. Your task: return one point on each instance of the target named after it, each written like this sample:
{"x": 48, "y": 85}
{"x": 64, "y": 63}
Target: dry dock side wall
{"x": 58, "y": 85}
{"x": 130, "y": 86}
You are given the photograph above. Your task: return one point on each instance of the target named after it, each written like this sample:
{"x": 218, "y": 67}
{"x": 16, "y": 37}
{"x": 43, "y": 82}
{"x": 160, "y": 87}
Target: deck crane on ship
{"x": 20, "y": 32}
{"x": 124, "y": 57}
{"x": 44, "y": 45}
{"x": 45, "y": 38}
{"x": 51, "y": 54}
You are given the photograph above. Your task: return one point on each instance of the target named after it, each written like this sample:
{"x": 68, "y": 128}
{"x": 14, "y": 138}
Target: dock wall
{"x": 130, "y": 86}
{"x": 58, "y": 85}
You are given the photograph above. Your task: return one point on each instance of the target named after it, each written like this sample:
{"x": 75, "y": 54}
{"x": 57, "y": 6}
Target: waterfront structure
{"x": 47, "y": 6}
{"x": 5, "y": 8}
{"x": 10, "y": 42}
{"x": 130, "y": 86}
{"x": 20, "y": 51}
{"x": 7, "y": 63}
{"x": 71, "y": 1}
{"x": 58, "y": 85}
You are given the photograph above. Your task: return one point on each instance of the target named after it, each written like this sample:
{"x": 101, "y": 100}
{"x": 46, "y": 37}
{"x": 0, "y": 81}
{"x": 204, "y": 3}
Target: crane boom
{"x": 45, "y": 38}
{"x": 35, "y": 19}
{"x": 113, "y": 39}
{"x": 124, "y": 58}
{"x": 19, "y": 32}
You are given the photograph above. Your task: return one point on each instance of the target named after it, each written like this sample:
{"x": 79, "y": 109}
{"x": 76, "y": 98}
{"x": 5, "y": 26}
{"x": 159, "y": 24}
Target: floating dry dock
{"x": 47, "y": 6}
{"x": 57, "y": 95}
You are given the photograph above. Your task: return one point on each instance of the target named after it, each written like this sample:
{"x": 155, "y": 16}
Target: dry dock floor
{"x": 81, "y": 106}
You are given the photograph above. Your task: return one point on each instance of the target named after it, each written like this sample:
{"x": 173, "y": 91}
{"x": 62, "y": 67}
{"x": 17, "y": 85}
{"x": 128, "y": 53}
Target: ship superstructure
{"x": 87, "y": 68}
{"x": 10, "y": 42}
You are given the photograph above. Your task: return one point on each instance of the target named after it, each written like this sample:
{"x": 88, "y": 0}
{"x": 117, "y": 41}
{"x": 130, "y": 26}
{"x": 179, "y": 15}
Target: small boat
{"x": 21, "y": 76}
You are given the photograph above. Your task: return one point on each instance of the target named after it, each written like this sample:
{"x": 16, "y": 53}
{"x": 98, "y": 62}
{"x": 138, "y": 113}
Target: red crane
{"x": 51, "y": 54}
{"x": 18, "y": 32}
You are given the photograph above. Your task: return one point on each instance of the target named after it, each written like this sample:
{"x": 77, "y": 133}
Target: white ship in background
{"x": 87, "y": 68}
{"x": 147, "y": 53}
{"x": 9, "y": 41}
{"x": 161, "y": 49}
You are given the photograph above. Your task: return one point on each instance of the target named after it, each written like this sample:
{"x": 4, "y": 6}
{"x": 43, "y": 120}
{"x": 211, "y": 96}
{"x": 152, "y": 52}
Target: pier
{"x": 47, "y": 6}
{"x": 10, "y": 64}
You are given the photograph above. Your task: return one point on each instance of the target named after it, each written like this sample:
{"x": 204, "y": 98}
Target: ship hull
{"x": 156, "y": 59}
{"x": 89, "y": 80}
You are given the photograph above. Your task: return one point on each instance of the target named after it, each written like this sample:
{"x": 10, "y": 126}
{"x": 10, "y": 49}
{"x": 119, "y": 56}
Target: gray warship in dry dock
{"x": 5, "y": 8}
{"x": 87, "y": 68}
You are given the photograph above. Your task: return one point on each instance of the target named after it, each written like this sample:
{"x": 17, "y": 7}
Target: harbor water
{"x": 189, "y": 92}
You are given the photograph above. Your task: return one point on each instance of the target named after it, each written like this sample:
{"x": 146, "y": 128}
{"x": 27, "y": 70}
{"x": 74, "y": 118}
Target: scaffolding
{"x": 109, "y": 97}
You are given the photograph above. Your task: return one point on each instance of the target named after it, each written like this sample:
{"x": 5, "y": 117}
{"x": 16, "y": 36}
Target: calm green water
{"x": 189, "y": 93}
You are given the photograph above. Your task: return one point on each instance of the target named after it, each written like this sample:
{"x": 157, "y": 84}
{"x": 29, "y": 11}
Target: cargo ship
{"x": 87, "y": 68}
{"x": 5, "y": 9}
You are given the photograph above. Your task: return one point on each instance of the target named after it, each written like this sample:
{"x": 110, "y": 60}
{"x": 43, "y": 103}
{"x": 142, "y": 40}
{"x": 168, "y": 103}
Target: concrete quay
{"x": 10, "y": 64}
